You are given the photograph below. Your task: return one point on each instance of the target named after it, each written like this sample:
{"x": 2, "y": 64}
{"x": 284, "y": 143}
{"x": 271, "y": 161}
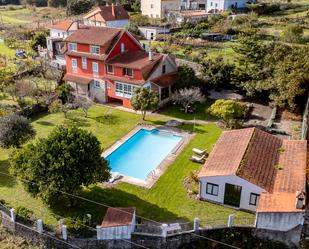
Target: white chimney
{"x": 113, "y": 10}
{"x": 300, "y": 199}
{"x": 150, "y": 55}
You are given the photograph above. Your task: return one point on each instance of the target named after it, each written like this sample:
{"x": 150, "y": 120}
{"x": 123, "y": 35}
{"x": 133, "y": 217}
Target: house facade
{"x": 252, "y": 170}
{"x": 58, "y": 31}
{"x": 113, "y": 16}
{"x": 109, "y": 64}
{"x": 215, "y": 6}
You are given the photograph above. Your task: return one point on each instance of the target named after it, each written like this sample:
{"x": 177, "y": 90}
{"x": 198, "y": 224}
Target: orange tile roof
{"x": 62, "y": 25}
{"x": 118, "y": 217}
{"x": 77, "y": 78}
{"x": 165, "y": 79}
{"x": 107, "y": 13}
{"x": 102, "y": 36}
{"x": 276, "y": 165}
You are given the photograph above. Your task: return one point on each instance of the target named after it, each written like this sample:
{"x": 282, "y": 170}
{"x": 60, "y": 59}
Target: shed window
{"x": 212, "y": 189}
{"x": 254, "y": 198}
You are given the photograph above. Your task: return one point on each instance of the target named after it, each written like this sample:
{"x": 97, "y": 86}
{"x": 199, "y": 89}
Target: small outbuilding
{"x": 118, "y": 223}
{"x": 253, "y": 170}
{"x": 151, "y": 32}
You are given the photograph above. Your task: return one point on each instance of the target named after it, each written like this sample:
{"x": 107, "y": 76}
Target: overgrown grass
{"x": 5, "y": 50}
{"x": 166, "y": 201}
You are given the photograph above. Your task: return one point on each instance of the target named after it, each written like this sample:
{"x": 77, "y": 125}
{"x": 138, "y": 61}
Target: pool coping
{"x": 157, "y": 172}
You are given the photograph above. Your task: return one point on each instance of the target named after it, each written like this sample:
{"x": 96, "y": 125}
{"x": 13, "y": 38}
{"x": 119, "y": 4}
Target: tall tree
{"x": 68, "y": 159}
{"x": 145, "y": 100}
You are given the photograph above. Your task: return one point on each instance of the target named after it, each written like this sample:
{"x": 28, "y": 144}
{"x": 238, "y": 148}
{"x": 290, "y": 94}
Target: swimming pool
{"x": 142, "y": 153}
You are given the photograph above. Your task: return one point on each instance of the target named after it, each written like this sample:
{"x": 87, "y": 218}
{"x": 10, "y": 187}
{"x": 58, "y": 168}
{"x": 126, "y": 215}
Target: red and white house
{"x": 109, "y": 64}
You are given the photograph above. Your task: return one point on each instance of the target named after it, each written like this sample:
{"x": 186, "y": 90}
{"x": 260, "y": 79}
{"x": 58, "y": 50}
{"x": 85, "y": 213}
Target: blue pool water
{"x": 142, "y": 153}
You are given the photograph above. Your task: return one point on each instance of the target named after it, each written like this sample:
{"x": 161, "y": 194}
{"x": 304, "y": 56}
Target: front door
{"x": 232, "y": 195}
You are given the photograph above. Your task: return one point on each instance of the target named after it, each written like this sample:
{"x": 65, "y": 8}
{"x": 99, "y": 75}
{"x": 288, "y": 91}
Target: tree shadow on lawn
{"x": 115, "y": 198}
{"x": 80, "y": 122}
{"x": 106, "y": 119}
{"x": 45, "y": 123}
{"x": 6, "y": 181}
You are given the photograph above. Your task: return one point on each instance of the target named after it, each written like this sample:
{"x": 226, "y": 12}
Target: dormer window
{"x": 128, "y": 72}
{"x": 94, "y": 49}
{"x": 110, "y": 69}
{"x": 163, "y": 69}
{"x": 73, "y": 47}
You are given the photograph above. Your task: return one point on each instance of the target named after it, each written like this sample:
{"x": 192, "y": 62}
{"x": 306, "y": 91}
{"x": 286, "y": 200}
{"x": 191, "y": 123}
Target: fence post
{"x": 164, "y": 230}
{"x": 99, "y": 237}
{"x": 196, "y": 224}
{"x": 12, "y": 214}
{"x": 64, "y": 232}
{"x": 39, "y": 226}
{"x": 231, "y": 221}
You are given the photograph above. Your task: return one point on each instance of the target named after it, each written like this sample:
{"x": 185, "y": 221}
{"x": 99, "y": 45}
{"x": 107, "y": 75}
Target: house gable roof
{"x": 101, "y": 36}
{"x": 62, "y": 25}
{"x": 107, "y": 13}
{"x": 263, "y": 159}
{"x": 118, "y": 217}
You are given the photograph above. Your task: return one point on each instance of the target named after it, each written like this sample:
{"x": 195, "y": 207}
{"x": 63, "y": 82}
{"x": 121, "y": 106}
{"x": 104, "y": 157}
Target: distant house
{"x": 58, "y": 31}
{"x": 254, "y": 170}
{"x": 215, "y": 6}
{"x": 109, "y": 64}
{"x": 118, "y": 223}
{"x": 114, "y": 16}
{"x": 187, "y": 16}
{"x": 151, "y": 32}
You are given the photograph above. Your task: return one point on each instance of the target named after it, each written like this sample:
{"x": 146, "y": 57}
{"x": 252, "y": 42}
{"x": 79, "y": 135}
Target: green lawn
{"x": 6, "y": 50}
{"x": 201, "y": 112}
{"x": 166, "y": 201}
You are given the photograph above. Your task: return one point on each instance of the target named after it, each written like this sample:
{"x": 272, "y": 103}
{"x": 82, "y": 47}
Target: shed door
{"x": 232, "y": 195}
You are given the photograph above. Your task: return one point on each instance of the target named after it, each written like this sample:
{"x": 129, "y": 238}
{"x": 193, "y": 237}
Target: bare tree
{"x": 187, "y": 97}
{"x": 84, "y": 105}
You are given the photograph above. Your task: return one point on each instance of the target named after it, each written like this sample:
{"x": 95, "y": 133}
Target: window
{"x": 94, "y": 49}
{"x": 122, "y": 47}
{"x": 254, "y": 198}
{"x": 74, "y": 65}
{"x": 211, "y": 3}
{"x": 110, "y": 69}
{"x": 163, "y": 69}
{"x": 216, "y": 5}
{"x": 97, "y": 83}
{"x": 128, "y": 72}
{"x": 165, "y": 92}
{"x": 72, "y": 47}
{"x": 212, "y": 189}
{"x": 84, "y": 62}
{"x": 124, "y": 90}
{"x": 151, "y": 6}
{"x": 95, "y": 68}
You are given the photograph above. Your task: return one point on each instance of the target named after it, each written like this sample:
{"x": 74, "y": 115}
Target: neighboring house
{"x": 151, "y": 32}
{"x": 215, "y": 6}
{"x": 254, "y": 170}
{"x": 114, "y": 16}
{"x": 118, "y": 223}
{"x": 187, "y": 16}
{"x": 58, "y": 31}
{"x": 109, "y": 64}
{"x": 160, "y": 8}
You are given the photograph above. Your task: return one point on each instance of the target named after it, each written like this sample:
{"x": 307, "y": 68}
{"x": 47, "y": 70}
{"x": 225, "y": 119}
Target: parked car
{"x": 20, "y": 54}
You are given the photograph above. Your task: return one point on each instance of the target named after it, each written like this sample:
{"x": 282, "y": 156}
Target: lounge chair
{"x": 198, "y": 159}
{"x": 199, "y": 152}
{"x": 114, "y": 177}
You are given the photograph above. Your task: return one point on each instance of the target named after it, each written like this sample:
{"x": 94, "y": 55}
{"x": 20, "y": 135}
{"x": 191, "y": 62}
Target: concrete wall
{"x": 247, "y": 189}
{"x": 59, "y": 33}
{"x": 98, "y": 93}
{"x": 279, "y": 221}
{"x": 147, "y": 32}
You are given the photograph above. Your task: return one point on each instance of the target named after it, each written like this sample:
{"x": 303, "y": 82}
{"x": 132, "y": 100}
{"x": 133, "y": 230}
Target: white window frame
{"x": 254, "y": 199}
{"x": 95, "y": 72}
{"x": 124, "y": 71}
{"x": 74, "y": 65}
{"x": 74, "y": 45}
{"x": 110, "y": 72}
{"x": 124, "y": 90}
{"x": 84, "y": 62}
{"x": 212, "y": 189}
{"x": 94, "y": 49}
{"x": 97, "y": 83}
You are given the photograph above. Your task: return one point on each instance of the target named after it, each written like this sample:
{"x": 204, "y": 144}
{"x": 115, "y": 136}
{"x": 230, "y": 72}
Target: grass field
{"x": 4, "y": 50}
{"x": 166, "y": 201}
